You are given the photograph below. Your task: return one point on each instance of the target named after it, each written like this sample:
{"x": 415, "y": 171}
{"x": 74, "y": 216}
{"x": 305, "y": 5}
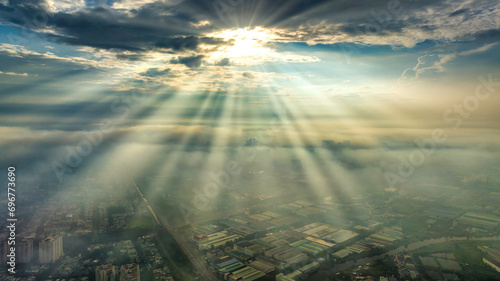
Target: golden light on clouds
{"x": 247, "y": 44}
{"x": 252, "y": 46}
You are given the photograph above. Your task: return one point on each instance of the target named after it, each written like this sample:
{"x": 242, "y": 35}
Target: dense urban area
{"x": 431, "y": 233}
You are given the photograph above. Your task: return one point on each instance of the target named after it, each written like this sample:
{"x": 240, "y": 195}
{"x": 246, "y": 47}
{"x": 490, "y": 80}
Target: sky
{"x": 149, "y": 84}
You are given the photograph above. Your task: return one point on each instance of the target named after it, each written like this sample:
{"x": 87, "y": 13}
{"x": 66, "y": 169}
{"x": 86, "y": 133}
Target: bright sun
{"x": 248, "y": 44}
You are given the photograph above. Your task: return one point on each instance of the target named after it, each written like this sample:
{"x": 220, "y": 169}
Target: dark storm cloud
{"x": 105, "y": 28}
{"x": 159, "y": 23}
{"x": 292, "y": 13}
{"x": 286, "y": 13}
{"x": 223, "y": 62}
{"x": 154, "y": 72}
{"x": 154, "y": 26}
{"x": 175, "y": 28}
{"x": 458, "y": 12}
{"x": 192, "y": 61}
{"x": 248, "y": 75}
{"x": 489, "y": 36}
{"x": 370, "y": 27}
{"x": 179, "y": 44}
{"x": 131, "y": 57}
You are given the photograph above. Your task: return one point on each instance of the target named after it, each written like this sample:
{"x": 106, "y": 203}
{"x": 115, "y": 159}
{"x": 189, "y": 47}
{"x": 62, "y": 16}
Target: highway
{"x": 197, "y": 261}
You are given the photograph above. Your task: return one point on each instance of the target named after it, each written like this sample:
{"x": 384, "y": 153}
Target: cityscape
{"x": 444, "y": 233}
{"x": 243, "y": 140}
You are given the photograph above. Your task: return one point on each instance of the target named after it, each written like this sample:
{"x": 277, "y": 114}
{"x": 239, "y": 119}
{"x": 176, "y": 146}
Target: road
{"x": 193, "y": 256}
{"x": 322, "y": 274}
{"x": 147, "y": 203}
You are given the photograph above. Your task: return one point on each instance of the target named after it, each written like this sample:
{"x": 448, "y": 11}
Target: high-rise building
{"x": 24, "y": 250}
{"x": 252, "y": 142}
{"x": 327, "y": 144}
{"x": 105, "y": 273}
{"x": 130, "y": 272}
{"x": 331, "y": 145}
{"x": 50, "y": 249}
